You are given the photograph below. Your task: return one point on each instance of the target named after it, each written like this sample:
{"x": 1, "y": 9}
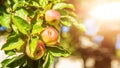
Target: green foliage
{"x": 15, "y": 28}
{"x": 13, "y": 62}
{"x": 58, "y": 52}
{"x": 63, "y": 6}
{"x": 26, "y": 21}
{"x": 37, "y": 27}
{"x": 13, "y": 44}
{"x": 33, "y": 44}
{"x": 21, "y": 24}
{"x": 48, "y": 61}
{"x": 5, "y": 20}
{"x": 10, "y": 52}
{"x": 43, "y": 3}
{"x": 21, "y": 13}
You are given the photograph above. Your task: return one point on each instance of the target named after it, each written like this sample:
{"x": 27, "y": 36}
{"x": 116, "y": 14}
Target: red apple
{"x": 52, "y": 15}
{"x": 50, "y": 36}
{"x": 39, "y": 52}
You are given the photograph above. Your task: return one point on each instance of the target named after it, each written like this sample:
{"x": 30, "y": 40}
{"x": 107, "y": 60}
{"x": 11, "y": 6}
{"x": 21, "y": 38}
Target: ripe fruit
{"x": 39, "y": 51}
{"x": 52, "y": 16}
{"x": 49, "y": 36}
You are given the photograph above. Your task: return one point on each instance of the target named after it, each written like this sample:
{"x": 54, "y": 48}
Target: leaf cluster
{"x": 24, "y": 20}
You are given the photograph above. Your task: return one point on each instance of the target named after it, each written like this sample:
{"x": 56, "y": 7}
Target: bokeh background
{"x": 99, "y": 45}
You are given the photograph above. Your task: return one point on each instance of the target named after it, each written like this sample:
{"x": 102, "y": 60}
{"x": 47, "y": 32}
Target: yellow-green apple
{"x": 50, "y": 36}
{"x": 38, "y": 53}
{"x": 52, "y": 16}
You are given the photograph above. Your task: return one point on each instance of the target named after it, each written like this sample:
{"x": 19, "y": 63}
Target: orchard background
{"x": 45, "y": 33}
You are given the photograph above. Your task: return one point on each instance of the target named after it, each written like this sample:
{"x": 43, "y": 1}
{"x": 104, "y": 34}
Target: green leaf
{"x": 33, "y": 44}
{"x": 15, "y": 28}
{"x": 35, "y": 4}
{"x": 5, "y": 20}
{"x": 7, "y": 62}
{"x": 37, "y": 28}
{"x": 58, "y": 27}
{"x": 65, "y": 22}
{"x": 19, "y": 4}
{"x": 10, "y": 38}
{"x": 67, "y": 12}
{"x": 48, "y": 61}
{"x": 18, "y": 62}
{"x": 63, "y": 6}
{"x": 68, "y": 20}
{"x": 43, "y": 3}
{"x": 21, "y": 24}
{"x": 9, "y": 2}
{"x": 2, "y": 9}
{"x": 75, "y": 22}
{"x": 57, "y": 1}
{"x": 72, "y": 19}
{"x": 80, "y": 26}
{"x": 21, "y": 13}
{"x": 10, "y": 52}
{"x": 13, "y": 44}
{"x": 58, "y": 52}
{"x": 15, "y": 1}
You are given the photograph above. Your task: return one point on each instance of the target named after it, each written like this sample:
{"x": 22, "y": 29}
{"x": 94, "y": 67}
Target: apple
{"x": 50, "y": 36}
{"x": 39, "y": 52}
{"x": 52, "y": 16}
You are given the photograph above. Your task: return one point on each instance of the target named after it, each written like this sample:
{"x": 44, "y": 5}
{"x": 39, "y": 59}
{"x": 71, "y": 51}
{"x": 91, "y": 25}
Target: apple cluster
{"x": 49, "y": 36}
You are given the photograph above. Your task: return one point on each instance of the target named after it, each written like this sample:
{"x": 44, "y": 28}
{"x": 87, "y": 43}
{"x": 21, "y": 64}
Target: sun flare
{"x": 107, "y": 11}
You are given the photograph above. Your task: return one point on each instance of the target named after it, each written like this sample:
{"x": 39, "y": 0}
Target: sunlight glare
{"x": 107, "y": 11}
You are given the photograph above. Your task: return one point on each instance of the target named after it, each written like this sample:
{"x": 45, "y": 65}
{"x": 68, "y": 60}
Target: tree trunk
{"x": 107, "y": 50}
